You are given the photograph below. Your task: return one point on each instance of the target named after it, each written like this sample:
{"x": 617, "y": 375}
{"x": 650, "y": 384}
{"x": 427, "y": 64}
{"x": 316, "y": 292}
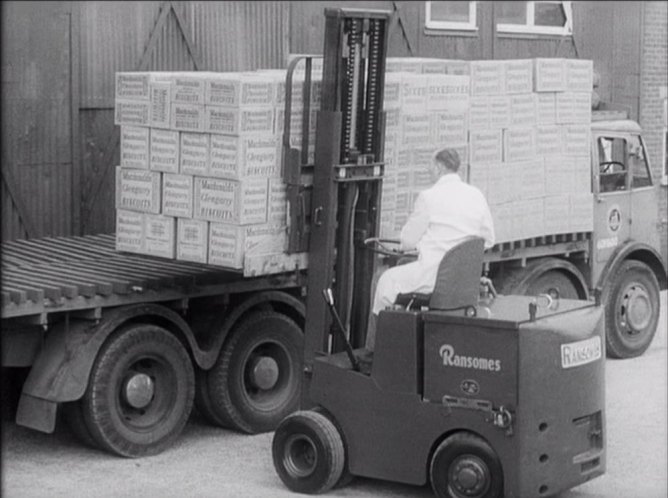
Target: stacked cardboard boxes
{"x": 199, "y": 177}
{"x": 522, "y": 128}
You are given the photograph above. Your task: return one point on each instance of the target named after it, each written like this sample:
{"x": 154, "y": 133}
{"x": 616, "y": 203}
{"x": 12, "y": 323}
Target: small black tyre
{"x": 140, "y": 392}
{"x": 631, "y": 310}
{"x": 465, "y": 466}
{"x": 308, "y": 452}
{"x": 255, "y": 383}
{"x": 346, "y": 477}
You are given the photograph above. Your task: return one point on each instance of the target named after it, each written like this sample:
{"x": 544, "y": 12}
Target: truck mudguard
{"x": 639, "y": 252}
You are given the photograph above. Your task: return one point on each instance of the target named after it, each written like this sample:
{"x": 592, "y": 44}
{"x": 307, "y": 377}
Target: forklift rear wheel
{"x": 140, "y": 392}
{"x": 256, "y": 380}
{"x": 465, "y": 466}
{"x": 308, "y": 452}
{"x": 631, "y": 310}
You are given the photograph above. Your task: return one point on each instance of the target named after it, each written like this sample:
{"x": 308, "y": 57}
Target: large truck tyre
{"x": 557, "y": 278}
{"x": 140, "y": 392}
{"x": 255, "y": 383}
{"x": 464, "y": 465}
{"x": 308, "y": 452}
{"x": 631, "y": 309}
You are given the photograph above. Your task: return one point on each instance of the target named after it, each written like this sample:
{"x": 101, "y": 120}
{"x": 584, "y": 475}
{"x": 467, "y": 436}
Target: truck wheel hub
{"x": 264, "y": 372}
{"x": 636, "y": 309}
{"x": 139, "y": 390}
{"x": 470, "y": 477}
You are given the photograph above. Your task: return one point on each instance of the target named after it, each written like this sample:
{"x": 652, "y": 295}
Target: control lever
{"x": 329, "y": 299}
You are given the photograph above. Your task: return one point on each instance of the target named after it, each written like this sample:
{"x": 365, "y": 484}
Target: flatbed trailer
{"x": 117, "y": 340}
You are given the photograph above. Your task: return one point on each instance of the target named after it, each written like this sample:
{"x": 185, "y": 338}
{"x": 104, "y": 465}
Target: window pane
{"x": 511, "y": 12}
{"x": 638, "y": 164}
{"x": 549, "y": 14}
{"x": 450, "y": 11}
{"x": 612, "y": 164}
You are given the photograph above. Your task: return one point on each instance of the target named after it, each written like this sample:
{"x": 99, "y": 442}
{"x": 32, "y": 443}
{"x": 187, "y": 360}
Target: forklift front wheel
{"x": 465, "y": 466}
{"x": 308, "y": 452}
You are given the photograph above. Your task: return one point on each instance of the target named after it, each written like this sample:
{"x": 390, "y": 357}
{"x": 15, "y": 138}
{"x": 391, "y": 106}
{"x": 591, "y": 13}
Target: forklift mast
{"x": 345, "y": 201}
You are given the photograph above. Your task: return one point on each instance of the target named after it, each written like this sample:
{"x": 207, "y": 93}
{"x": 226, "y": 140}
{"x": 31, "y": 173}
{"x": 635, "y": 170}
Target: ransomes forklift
{"x": 481, "y": 395}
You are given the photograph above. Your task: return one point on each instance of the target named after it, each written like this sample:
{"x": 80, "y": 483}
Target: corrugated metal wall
{"x": 36, "y": 119}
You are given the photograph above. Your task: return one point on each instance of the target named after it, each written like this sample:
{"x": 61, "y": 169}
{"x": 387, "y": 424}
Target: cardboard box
{"x": 267, "y": 264}
{"x": 240, "y": 90}
{"x": 447, "y": 92}
{"x": 177, "y": 195}
{"x": 277, "y": 206}
{"x": 499, "y": 182}
{"x": 454, "y": 66}
{"x": 548, "y": 141}
{"x": 135, "y": 147}
{"x": 392, "y": 91}
{"x": 546, "y": 108}
{"x": 479, "y": 113}
{"x": 231, "y": 121}
{"x": 393, "y": 122}
{"x": 573, "y": 107}
{"x": 433, "y": 66}
{"x": 558, "y": 175}
{"x": 519, "y": 142}
{"x": 514, "y": 181}
{"x": 194, "y": 156}
{"x": 528, "y": 215}
{"x": 579, "y": 75}
{"x": 531, "y": 179}
{"x": 487, "y": 77}
{"x": 478, "y": 177}
{"x": 577, "y": 140}
{"x": 557, "y": 214}
{"x": 160, "y": 235}
{"x": 502, "y": 217}
{"x": 130, "y": 231}
{"x": 231, "y": 201}
{"x": 388, "y": 193}
{"x": 237, "y": 158}
{"x": 296, "y": 120}
{"x": 187, "y": 117}
{"x": 449, "y": 127}
{"x": 229, "y": 244}
{"x": 485, "y": 146}
{"x": 132, "y": 85}
{"x": 160, "y": 107}
{"x": 523, "y": 109}
{"x": 131, "y": 112}
{"x": 499, "y": 111}
{"x": 138, "y": 190}
{"x": 519, "y": 76}
{"x": 549, "y": 75}
{"x": 188, "y": 88}
{"x": 582, "y": 178}
{"x": 415, "y": 128}
{"x": 164, "y": 150}
{"x": 415, "y": 92}
{"x": 192, "y": 240}
{"x": 581, "y": 212}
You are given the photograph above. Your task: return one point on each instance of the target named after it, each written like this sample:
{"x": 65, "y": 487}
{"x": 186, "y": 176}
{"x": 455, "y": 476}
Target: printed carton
{"x": 135, "y": 147}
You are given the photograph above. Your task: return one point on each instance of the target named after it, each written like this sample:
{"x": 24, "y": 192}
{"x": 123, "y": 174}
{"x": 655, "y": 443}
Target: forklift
{"x": 479, "y": 394}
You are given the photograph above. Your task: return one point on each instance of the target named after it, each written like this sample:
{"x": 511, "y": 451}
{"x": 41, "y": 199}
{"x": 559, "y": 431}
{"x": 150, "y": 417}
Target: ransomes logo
{"x": 450, "y": 359}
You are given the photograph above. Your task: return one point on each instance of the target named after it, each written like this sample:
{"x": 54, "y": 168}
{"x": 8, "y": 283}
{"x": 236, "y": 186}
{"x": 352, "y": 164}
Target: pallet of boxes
{"x": 199, "y": 178}
{"x": 522, "y": 130}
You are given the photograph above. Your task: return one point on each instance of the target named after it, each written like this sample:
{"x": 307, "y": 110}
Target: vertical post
{"x": 75, "y": 116}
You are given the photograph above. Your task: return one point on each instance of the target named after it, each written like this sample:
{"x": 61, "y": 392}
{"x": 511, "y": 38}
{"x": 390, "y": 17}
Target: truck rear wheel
{"x": 255, "y": 382}
{"x": 308, "y": 452}
{"x": 631, "y": 310}
{"x": 559, "y": 279}
{"x": 140, "y": 392}
{"x": 465, "y": 466}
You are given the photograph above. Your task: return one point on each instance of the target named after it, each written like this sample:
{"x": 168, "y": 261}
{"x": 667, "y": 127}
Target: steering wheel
{"x": 604, "y": 167}
{"x": 387, "y": 247}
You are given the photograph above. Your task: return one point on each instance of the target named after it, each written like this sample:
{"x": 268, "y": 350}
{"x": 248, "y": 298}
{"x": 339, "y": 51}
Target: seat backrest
{"x": 458, "y": 279}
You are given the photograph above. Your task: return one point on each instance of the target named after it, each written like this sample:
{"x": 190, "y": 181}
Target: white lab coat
{"x": 443, "y": 215}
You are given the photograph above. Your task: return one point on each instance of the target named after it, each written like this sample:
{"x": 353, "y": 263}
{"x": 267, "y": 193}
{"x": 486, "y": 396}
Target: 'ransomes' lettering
{"x": 450, "y": 359}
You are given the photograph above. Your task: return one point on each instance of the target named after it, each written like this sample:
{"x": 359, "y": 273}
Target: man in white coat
{"x": 443, "y": 215}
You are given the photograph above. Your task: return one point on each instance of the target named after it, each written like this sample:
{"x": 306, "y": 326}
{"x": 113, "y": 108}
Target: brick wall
{"x": 653, "y": 90}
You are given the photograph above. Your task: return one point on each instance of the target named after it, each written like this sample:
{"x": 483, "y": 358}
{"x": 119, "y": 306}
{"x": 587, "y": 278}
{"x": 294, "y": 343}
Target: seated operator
{"x": 443, "y": 215}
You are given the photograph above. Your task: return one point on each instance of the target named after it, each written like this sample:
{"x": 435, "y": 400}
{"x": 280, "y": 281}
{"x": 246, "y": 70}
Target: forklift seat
{"x": 457, "y": 281}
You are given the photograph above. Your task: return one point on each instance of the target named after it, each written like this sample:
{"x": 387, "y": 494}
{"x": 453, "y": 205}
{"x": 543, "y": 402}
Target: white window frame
{"x": 471, "y": 25}
{"x": 531, "y": 28}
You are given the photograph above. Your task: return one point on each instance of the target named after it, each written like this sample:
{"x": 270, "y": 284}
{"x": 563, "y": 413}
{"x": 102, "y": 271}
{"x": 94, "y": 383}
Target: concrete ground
{"x": 210, "y": 462}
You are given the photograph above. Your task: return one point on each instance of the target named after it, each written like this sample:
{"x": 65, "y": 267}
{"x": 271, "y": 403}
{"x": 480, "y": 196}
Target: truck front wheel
{"x": 631, "y": 310}
{"x": 255, "y": 382}
{"x": 140, "y": 392}
{"x": 465, "y": 466}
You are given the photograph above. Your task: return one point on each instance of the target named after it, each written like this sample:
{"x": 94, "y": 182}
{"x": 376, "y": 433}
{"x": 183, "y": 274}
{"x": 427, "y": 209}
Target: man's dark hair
{"x": 448, "y": 158}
